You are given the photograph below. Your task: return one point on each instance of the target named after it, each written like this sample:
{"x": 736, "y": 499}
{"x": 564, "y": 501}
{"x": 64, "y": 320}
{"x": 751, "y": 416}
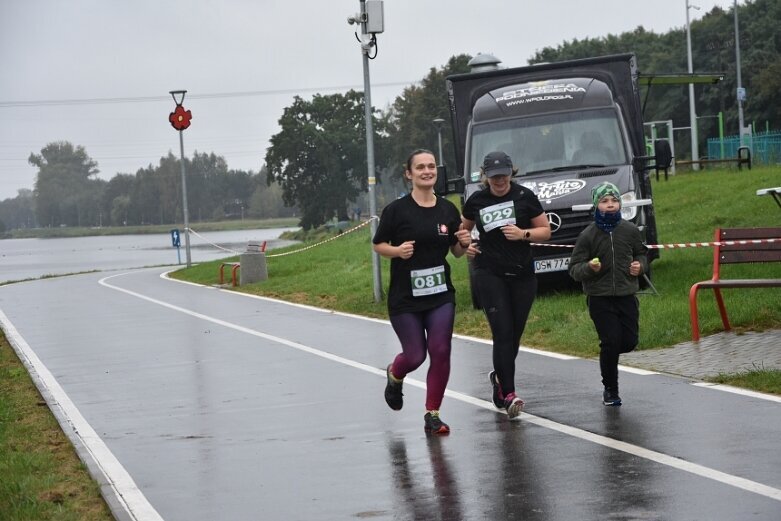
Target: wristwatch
{"x": 527, "y": 234}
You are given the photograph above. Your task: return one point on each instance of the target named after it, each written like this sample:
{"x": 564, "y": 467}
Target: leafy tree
{"x": 266, "y": 200}
{"x": 119, "y": 187}
{"x": 319, "y": 156}
{"x": 713, "y": 50}
{"x": 19, "y": 212}
{"x": 119, "y": 209}
{"x": 63, "y": 184}
{"x": 412, "y": 114}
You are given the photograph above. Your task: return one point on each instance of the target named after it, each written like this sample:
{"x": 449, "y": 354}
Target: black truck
{"x": 567, "y": 126}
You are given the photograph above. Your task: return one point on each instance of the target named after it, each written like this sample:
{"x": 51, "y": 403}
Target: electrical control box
{"x": 375, "y": 22}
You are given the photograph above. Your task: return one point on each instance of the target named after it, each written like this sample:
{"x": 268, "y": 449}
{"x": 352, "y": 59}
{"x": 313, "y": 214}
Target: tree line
{"x": 316, "y": 165}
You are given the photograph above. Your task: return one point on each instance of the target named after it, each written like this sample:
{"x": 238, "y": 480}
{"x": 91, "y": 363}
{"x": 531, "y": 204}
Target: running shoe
{"x": 434, "y": 424}
{"x": 393, "y": 395}
{"x": 496, "y": 394}
{"x": 514, "y": 406}
{"x": 610, "y": 397}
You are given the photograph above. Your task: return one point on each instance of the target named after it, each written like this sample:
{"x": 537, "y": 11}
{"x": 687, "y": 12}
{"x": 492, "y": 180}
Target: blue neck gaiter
{"x": 607, "y": 222}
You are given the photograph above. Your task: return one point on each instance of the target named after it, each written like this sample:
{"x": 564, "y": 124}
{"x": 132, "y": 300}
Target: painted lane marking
{"x": 738, "y": 390}
{"x": 531, "y": 350}
{"x": 122, "y": 486}
{"x": 650, "y": 455}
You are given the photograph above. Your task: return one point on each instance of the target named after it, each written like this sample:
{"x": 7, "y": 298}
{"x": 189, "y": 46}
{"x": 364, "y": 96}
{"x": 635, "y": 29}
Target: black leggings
{"x": 616, "y": 320}
{"x": 506, "y": 302}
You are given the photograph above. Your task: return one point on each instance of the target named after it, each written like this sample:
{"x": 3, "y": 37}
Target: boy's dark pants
{"x": 617, "y": 322}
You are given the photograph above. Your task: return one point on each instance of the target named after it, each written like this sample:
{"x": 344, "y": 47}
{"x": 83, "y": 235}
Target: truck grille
{"x": 572, "y": 223}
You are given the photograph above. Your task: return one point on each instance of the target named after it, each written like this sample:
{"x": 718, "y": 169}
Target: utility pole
{"x": 371, "y": 20}
{"x": 741, "y": 92}
{"x": 180, "y": 120}
{"x": 692, "y": 107}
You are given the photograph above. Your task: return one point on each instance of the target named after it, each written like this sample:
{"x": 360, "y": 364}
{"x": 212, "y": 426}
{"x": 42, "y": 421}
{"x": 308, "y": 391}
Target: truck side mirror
{"x": 440, "y": 187}
{"x": 662, "y": 153}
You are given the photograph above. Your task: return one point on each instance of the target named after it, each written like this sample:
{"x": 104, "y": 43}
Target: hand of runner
{"x": 406, "y": 249}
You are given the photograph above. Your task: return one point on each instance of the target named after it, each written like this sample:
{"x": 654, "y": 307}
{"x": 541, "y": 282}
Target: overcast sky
{"x": 54, "y": 50}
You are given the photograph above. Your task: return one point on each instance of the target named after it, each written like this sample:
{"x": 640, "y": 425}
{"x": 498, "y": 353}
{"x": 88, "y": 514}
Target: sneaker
{"x": 514, "y": 406}
{"x": 610, "y": 397}
{"x": 496, "y": 394}
{"x": 393, "y": 395}
{"x": 434, "y": 424}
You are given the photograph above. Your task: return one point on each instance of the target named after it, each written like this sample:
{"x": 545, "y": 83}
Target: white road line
{"x": 128, "y": 495}
{"x": 540, "y": 352}
{"x": 657, "y": 457}
{"x": 738, "y": 390}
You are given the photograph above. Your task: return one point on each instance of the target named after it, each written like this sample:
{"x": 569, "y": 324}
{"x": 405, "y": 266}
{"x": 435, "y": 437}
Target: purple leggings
{"x": 418, "y": 333}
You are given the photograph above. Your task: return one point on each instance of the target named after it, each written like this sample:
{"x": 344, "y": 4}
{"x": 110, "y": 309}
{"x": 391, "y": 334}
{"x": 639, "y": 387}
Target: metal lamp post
{"x": 692, "y": 109}
{"x": 741, "y": 93}
{"x": 180, "y": 120}
{"x": 375, "y": 18}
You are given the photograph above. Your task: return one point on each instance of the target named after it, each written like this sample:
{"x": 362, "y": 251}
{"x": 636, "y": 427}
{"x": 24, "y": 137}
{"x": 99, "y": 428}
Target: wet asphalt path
{"x": 218, "y": 406}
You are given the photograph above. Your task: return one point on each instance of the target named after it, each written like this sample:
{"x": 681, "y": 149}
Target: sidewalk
{"x": 714, "y": 354}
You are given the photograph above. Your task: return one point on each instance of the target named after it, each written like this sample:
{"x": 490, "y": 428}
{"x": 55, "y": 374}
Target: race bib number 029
{"x": 497, "y": 215}
{"x": 428, "y": 282}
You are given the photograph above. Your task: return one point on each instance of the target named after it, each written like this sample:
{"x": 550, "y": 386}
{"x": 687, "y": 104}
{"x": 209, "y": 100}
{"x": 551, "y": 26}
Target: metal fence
{"x": 765, "y": 147}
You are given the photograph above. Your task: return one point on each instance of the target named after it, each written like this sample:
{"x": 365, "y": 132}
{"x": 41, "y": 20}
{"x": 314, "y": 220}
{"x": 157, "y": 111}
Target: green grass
{"x": 762, "y": 380}
{"x": 41, "y": 478}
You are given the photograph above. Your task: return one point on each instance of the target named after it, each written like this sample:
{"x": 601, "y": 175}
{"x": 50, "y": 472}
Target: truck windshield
{"x": 551, "y": 142}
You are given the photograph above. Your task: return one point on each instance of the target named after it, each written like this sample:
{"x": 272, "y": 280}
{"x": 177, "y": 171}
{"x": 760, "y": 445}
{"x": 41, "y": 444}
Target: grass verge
{"x": 759, "y": 379}
{"x": 42, "y": 478}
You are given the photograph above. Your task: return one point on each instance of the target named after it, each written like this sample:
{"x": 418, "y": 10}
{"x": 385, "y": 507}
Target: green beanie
{"x": 602, "y": 189}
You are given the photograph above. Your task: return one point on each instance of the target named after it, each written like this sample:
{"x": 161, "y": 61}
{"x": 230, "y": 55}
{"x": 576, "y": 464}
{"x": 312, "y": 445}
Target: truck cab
{"x": 567, "y": 126}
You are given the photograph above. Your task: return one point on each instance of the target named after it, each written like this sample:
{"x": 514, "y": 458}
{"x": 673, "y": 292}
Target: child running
{"x": 608, "y": 258}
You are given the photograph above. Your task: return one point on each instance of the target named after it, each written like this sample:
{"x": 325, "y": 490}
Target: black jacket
{"x": 616, "y": 251}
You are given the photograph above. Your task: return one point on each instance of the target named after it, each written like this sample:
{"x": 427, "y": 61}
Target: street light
{"x": 180, "y": 120}
{"x": 741, "y": 93}
{"x": 371, "y": 20}
{"x": 692, "y": 109}
{"x": 438, "y": 122}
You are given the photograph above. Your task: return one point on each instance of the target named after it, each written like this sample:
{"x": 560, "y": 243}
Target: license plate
{"x": 548, "y": 265}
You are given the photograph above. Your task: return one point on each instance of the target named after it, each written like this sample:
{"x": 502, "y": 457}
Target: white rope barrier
{"x": 671, "y": 246}
{"x": 204, "y": 239}
{"x": 325, "y": 241}
{"x": 678, "y": 245}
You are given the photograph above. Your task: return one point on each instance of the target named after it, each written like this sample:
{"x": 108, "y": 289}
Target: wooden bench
{"x": 747, "y": 247}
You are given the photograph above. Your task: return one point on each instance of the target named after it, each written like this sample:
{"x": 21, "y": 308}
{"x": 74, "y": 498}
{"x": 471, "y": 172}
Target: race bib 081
{"x": 428, "y": 282}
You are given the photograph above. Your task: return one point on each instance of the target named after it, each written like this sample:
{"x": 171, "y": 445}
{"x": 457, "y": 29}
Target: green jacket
{"x": 616, "y": 251}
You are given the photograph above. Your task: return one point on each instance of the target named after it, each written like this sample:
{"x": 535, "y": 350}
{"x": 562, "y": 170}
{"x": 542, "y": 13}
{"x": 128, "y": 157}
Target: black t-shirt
{"x": 489, "y": 212}
{"x": 421, "y": 282}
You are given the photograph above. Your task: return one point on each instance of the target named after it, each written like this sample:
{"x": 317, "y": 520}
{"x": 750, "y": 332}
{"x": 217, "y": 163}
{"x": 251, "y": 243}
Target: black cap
{"x": 497, "y": 163}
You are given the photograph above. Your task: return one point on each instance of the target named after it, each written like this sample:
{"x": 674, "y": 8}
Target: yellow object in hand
{"x": 595, "y": 260}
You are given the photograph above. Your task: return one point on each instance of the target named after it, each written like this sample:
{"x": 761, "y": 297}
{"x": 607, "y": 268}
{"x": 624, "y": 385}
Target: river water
{"x": 32, "y": 258}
